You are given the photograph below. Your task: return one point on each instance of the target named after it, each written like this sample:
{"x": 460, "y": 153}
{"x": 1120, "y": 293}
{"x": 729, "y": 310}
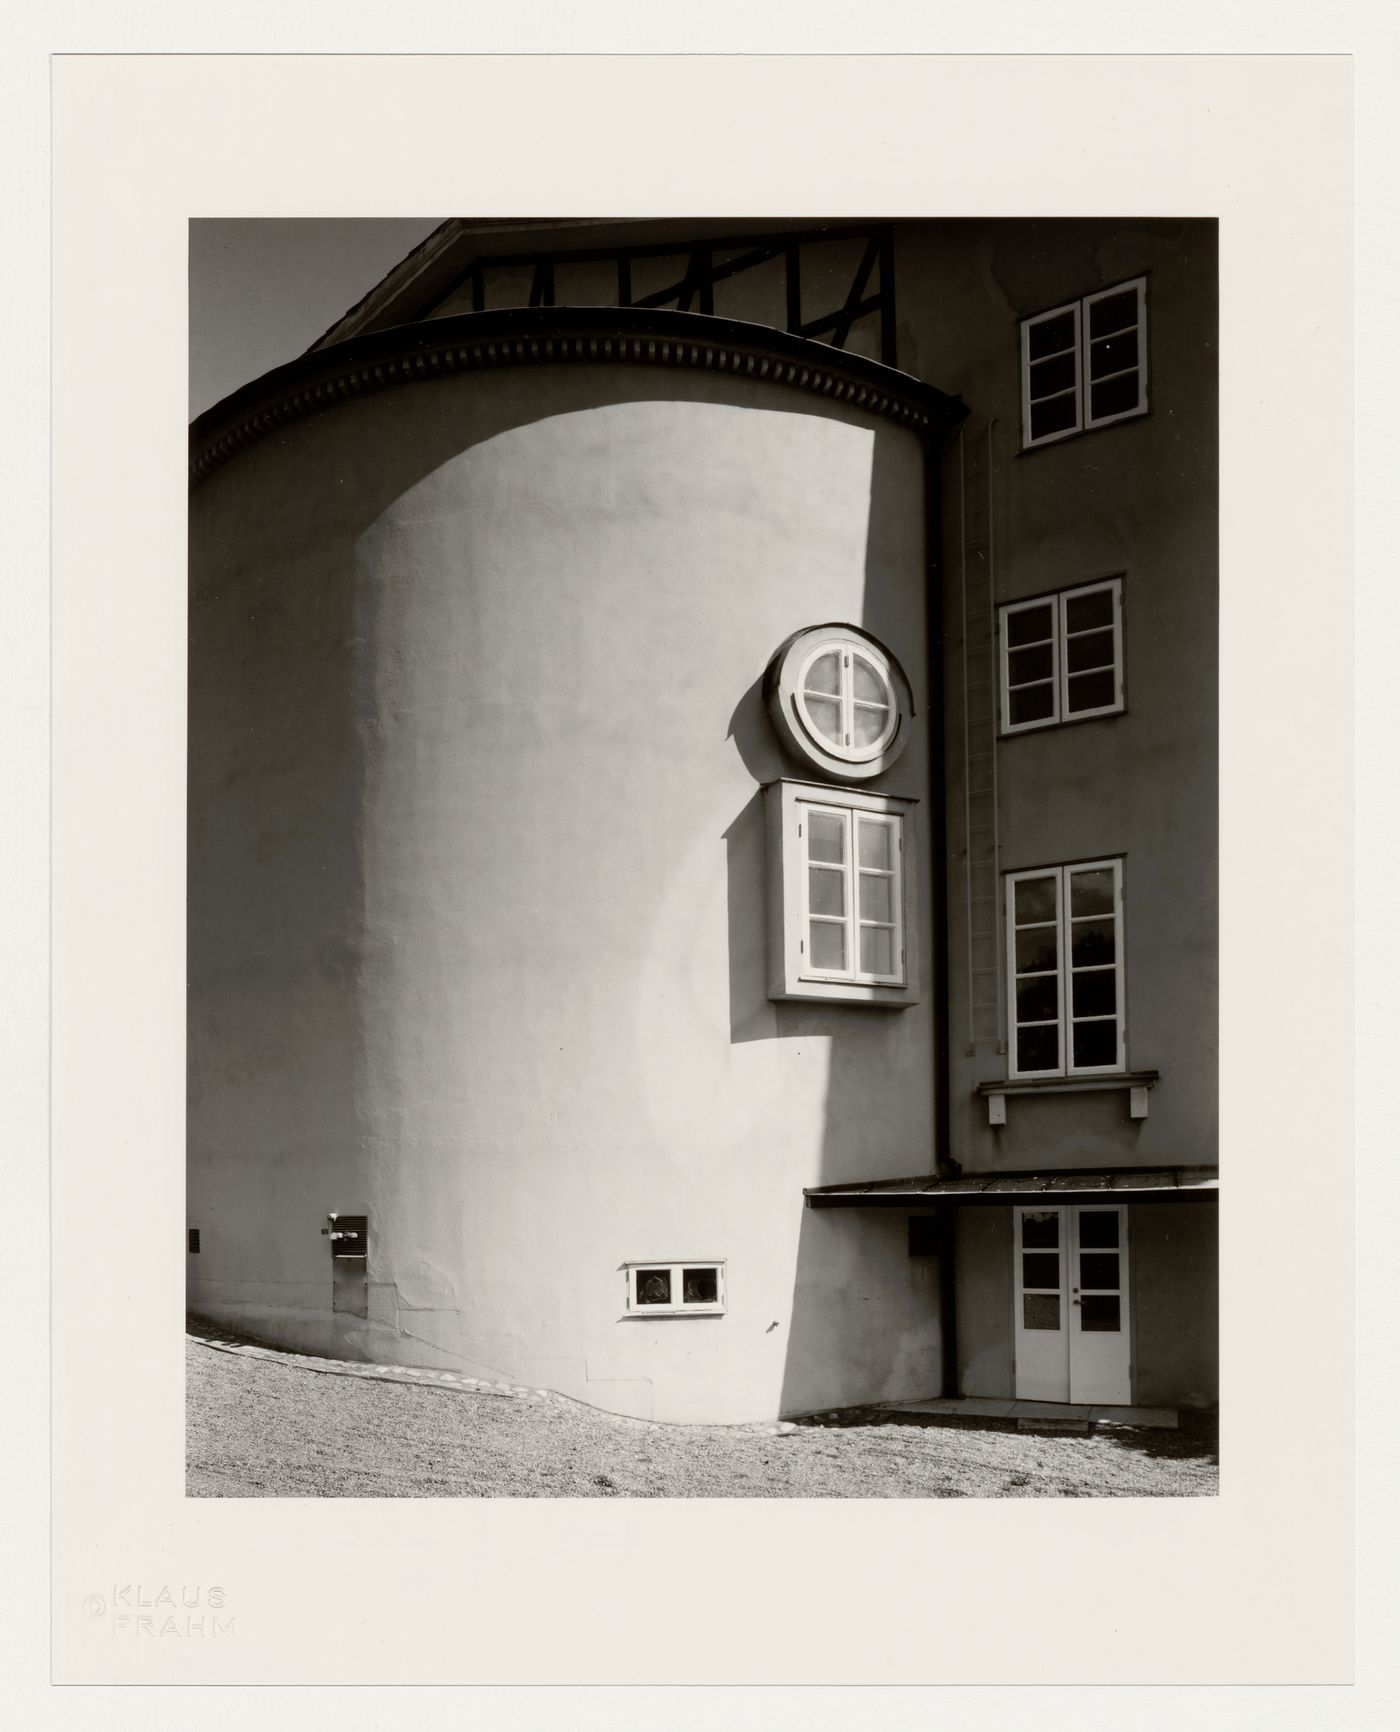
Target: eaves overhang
{"x": 559, "y": 336}
{"x": 1088, "y": 1185}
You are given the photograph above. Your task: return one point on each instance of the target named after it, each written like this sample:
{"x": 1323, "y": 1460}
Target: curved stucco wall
{"x": 477, "y": 888}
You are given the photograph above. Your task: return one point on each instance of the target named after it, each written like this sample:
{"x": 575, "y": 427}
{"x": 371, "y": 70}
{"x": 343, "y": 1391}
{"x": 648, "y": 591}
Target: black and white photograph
{"x": 702, "y": 789}
{"x": 702, "y": 858}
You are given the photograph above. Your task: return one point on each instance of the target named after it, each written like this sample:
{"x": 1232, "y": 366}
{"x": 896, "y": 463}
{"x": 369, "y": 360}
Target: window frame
{"x": 792, "y": 972}
{"x": 1085, "y": 421}
{"x": 1064, "y": 971}
{"x": 845, "y": 647}
{"x": 786, "y": 695}
{"x": 675, "y": 1268}
{"x": 1060, "y": 674}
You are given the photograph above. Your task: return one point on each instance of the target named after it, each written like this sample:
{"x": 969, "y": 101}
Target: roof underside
{"x": 1100, "y": 1184}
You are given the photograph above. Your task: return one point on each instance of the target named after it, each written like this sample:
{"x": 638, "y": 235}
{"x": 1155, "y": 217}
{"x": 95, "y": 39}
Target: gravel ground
{"x": 265, "y": 1428}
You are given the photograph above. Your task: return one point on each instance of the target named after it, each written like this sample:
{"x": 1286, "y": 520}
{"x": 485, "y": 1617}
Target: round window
{"x": 839, "y": 700}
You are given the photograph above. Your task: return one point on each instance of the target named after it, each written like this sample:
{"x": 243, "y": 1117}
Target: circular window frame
{"x": 785, "y": 690}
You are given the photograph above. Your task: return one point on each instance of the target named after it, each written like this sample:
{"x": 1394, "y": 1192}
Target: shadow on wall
{"x": 864, "y": 1322}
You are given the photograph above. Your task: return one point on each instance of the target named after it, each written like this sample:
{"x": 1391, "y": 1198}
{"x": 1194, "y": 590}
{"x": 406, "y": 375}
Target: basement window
{"x": 675, "y": 1289}
{"x": 1084, "y": 365}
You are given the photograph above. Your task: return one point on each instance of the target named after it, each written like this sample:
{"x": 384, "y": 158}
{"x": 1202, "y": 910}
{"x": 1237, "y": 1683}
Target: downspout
{"x": 938, "y": 848}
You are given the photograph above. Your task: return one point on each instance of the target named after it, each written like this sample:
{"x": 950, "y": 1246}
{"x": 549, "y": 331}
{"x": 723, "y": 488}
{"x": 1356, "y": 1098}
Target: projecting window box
{"x": 1061, "y": 657}
{"x": 1084, "y": 365}
{"x": 686, "y": 1289}
{"x": 842, "y": 924}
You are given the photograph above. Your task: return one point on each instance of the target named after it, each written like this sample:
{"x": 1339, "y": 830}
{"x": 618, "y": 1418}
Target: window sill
{"x": 1137, "y": 1082}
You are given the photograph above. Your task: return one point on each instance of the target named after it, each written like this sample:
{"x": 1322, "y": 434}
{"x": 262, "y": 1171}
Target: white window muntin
{"x": 1091, "y": 649}
{"x": 1100, "y": 363}
{"x": 674, "y": 1273}
{"x": 857, "y": 898}
{"x": 1056, "y": 1011}
{"x": 1030, "y": 669}
{"x": 1075, "y": 373}
{"x": 1053, "y": 376}
{"x": 852, "y": 701}
{"x": 1043, "y": 669}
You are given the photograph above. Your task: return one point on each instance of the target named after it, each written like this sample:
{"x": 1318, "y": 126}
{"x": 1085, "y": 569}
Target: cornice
{"x": 558, "y": 336}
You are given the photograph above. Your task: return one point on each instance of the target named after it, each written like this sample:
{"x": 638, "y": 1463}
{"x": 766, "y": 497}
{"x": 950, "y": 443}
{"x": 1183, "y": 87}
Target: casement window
{"x": 1062, "y": 657}
{"x": 841, "y": 921}
{"x": 840, "y": 701}
{"x": 1084, "y": 365}
{"x": 1064, "y": 947}
{"x": 666, "y": 1289}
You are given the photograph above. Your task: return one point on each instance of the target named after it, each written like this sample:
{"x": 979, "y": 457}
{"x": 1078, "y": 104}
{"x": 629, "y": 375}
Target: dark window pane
{"x": 1113, "y": 397}
{"x": 1040, "y": 1310}
{"x": 1036, "y": 663}
{"x": 1095, "y": 1043}
{"x": 826, "y": 890}
{"x": 824, "y": 675}
{"x": 1091, "y": 892}
{"x": 1113, "y": 355}
{"x": 876, "y": 898}
{"x": 1037, "y": 1049}
{"x": 1057, "y": 415}
{"x": 1095, "y": 994}
{"x": 1093, "y": 650}
{"x": 1035, "y": 900}
{"x": 1057, "y": 374}
{"x": 1084, "y": 612}
{"x": 1098, "y": 1229}
{"x": 1040, "y": 1269}
{"x": 1098, "y": 1314}
{"x": 1032, "y": 704}
{"x": 1030, "y": 625}
{"x": 1099, "y": 1269}
{"x": 828, "y": 945}
{"x": 876, "y": 950}
{"x": 1040, "y": 1229}
{"x": 1038, "y": 998}
{"x": 1113, "y": 312}
{"x": 1035, "y": 949}
{"x": 1051, "y": 335}
{"x": 826, "y": 836}
{"x": 1091, "y": 941}
{"x": 1091, "y": 692}
{"x": 653, "y": 1286}
{"x": 700, "y": 1286}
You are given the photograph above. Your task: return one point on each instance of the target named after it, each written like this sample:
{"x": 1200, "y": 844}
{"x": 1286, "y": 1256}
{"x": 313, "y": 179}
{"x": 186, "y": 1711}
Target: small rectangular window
{"x": 1062, "y": 657}
{"x": 1084, "y": 365}
{"x": 194, "y": 1241}
{"x": 671, "y": 1289}
{"x": 1065, "y": 970}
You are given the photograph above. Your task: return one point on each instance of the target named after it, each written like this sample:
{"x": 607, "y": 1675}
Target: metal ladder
{"x": 981, "y": 851}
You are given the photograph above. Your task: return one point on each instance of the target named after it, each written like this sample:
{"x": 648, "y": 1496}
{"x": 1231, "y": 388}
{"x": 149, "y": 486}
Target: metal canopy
{"x": 1095, "y": 1185}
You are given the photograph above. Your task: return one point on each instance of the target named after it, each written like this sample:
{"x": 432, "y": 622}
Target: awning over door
{"x": 1099, "y": 1185}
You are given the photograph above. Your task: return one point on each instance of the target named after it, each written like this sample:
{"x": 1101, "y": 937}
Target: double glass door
{"x": 1072, "y": 1340}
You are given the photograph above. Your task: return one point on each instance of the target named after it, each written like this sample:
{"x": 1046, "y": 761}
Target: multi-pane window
{"x": 1065, "y": 969}
{"x": 843, "y": 913}
{"x": 846, "y": 699}
{"x": 1062, "y": 657}
{"x": 657, "y": 1289}
{"x": 1084, "y": 364}
{"x": 852, "y": 913}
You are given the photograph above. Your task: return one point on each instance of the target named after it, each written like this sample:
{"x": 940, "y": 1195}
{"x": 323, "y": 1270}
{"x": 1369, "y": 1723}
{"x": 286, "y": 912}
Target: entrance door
{"x": 1072, "y": 1304}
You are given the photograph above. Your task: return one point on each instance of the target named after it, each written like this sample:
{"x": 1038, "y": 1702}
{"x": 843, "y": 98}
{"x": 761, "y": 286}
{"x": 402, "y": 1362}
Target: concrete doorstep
{"x": 1038, "y": 1415}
